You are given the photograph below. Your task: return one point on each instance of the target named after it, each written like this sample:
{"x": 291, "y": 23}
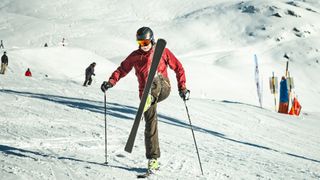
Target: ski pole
{"x": 105, "y": 129}
{"x": 191, "y": 127}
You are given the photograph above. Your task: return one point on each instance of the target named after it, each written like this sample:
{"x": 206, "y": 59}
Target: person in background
{"x": 4, "y": 63}
{"x": 45, "y": 45}
{"x": 1, "y": 44}
{"x": 63, "y": 41}
{"x": 89, "y": 73}
{"x": 28, "y": 73}
{"x": 284, "y": 96}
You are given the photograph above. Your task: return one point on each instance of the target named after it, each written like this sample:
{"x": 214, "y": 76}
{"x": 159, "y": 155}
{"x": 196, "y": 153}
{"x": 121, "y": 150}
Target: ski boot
{"x": 153, "y": 166}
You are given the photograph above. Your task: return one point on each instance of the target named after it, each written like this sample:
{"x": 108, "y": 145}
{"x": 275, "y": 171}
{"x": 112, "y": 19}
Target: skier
{"x": 89, "y": 73}
{"x": 1, "y": 44}
{"x": 45, "y": 45}
{"x": 28, "y": 73}
{"x": 4, "y": 63}
{"x": 284, "y": 96}
{"x": 140, "y": 60}
{"x": 63, "y": 41}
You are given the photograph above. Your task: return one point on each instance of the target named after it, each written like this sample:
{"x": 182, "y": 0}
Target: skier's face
{"x": 145, "y": 44}
{"x": 146, "y": 48}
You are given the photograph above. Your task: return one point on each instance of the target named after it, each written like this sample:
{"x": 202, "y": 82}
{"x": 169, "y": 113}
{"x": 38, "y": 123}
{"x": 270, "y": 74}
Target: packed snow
{"x": 51, "y": 127}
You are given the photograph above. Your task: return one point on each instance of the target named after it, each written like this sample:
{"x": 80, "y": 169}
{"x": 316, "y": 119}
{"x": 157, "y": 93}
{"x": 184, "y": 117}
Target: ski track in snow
{"x": 75, "y": 150}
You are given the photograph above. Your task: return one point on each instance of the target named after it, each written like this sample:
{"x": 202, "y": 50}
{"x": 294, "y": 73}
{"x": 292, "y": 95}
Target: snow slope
{"x": 221, "y": 36}
{"x": 53, "y": 128}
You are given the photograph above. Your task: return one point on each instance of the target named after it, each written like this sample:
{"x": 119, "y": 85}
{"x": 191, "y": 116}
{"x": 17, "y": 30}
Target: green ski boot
{"x": 153, "y": 166}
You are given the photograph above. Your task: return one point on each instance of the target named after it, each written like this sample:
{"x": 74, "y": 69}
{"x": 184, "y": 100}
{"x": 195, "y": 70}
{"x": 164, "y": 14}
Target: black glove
{"x": 105, "y": 86}
{"x": 184, "y": 94}
{"x": 94, "y": 74}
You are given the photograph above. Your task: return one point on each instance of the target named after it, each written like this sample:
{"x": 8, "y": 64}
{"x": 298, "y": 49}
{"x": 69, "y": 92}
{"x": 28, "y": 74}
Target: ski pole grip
{"x": 187, "y": 95}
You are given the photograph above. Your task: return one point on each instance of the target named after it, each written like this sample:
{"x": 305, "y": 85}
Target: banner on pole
{"x": 273, "y": 83}
{"x": 257, "y": 80}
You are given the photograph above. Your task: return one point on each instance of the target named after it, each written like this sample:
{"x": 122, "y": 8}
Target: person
{"x": 45, "y": 45}
{"x": 284, "y": 96}
{"x": 63, "y": 41}
{"x": 1, "y": 44}
{"x": 140, "y": 60}
{"x": 4, "y": 63}
{"x": 89, "y": 73}
{"x": 28, "y": 73}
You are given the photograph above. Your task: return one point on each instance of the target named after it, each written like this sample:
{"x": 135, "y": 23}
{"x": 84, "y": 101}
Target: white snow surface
{"x": 51, "y": 127}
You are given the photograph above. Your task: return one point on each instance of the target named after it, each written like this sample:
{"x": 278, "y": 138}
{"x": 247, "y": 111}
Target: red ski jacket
{"x": 28, "y": 73}
{"x": 141, "y": 62}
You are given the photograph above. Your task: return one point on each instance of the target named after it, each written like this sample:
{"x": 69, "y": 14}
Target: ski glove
{"x": 105, "y": 86}
{"x": 184, "y": 94}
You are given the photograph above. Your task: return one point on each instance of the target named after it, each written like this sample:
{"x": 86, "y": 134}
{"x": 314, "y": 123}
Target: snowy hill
{"x": 53, "y": 128}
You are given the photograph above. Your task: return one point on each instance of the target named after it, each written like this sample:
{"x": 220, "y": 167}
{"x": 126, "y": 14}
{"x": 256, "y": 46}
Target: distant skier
{"x": 89, "y": 73}
{"x": 4, "y": 63}
{"x": 1, "y": 44}
{"x": 28, "y": 73}
{"x": 284, "y": 96}
{"x": 45, "y": 45}
{"x": 140, "y": 60}
{"x": 63, "y": 41}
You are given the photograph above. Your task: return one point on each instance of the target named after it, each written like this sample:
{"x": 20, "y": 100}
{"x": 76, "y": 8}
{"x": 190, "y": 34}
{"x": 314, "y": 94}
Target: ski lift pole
{"x": 287, "y": 69}
{"x": 191, "y": 127}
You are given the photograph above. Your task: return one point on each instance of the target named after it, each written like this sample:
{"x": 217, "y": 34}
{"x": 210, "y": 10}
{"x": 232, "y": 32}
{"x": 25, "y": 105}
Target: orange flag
{"x": 296, "y": 107}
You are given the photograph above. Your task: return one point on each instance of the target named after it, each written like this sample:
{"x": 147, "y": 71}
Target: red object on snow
{"x": 28, "y": 73}
{"x": 296, "y": 107}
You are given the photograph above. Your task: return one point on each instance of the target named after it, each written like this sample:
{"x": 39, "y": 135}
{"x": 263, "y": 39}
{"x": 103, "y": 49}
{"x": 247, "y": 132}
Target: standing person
{"x": 4, "y": 63}
{"x": 140, "y": 60}
{"x": 28, "y": 73}
{"x": 1, "y": 44}
{"x": 63, "y": 41}
{"x": 284, "y": 96}
{"x": 89, "y": 73}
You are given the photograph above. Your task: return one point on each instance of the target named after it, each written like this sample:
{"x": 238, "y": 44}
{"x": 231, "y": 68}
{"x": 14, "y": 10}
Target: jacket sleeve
{"x": 124, "y": 68}
{"x": 176, "y": 66}
{"x": 88, "y": 71}
{"x": 92, "y": 70}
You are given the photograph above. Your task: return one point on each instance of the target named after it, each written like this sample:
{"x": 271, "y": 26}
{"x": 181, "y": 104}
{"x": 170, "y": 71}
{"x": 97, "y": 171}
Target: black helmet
{"x": 145, "y": 33}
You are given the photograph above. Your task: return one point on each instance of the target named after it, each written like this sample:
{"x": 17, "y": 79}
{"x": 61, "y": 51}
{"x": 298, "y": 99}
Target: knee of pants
{"x": 160, "y": 88}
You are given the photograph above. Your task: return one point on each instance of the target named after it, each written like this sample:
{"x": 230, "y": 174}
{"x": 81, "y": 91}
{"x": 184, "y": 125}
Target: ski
{"x": 160, "y": 45}
{"x": 146, "y": 174}
{"x": 142, "y": 176}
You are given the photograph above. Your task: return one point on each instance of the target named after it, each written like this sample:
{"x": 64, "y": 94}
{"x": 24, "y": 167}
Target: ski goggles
{"x": 144, "y": 42}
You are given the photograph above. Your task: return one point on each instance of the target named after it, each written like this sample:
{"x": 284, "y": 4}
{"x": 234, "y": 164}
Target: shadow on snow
{"x": 128, "y": 112}
{"x": 113, "y": 109}
{"x": 8, "y": 150}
